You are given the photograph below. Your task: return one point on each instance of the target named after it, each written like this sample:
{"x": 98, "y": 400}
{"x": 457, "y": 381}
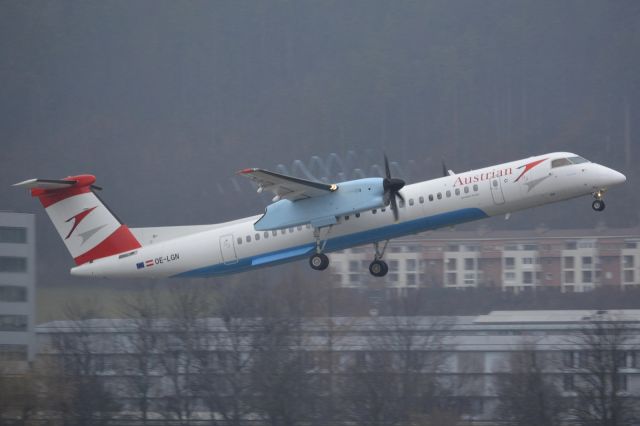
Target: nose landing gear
{"x": 598, "y": 204}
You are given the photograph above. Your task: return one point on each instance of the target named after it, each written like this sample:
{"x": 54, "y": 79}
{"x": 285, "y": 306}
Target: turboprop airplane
{"x": 308, "y": 218}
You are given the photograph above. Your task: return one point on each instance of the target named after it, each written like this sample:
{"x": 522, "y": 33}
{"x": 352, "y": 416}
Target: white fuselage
{"x": 236, "y": 246}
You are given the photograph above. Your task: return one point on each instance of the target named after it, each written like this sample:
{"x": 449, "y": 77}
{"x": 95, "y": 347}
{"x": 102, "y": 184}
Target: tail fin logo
{"x": 77, "y": 219}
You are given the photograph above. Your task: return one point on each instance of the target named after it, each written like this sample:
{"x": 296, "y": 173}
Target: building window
{"x": 527, "y": 277}
{"x": 509, "y": 276}
{"x": 410, "y": 264}
{"x": 569, "y": 262}
{"x": 13, "y": 293}
{"x": 451, "y": 264}
{"x": 354, "y": 266}
{"x": 469, "y": 278}
{"x": 571, "y": 245}
{"x": 469, "y": 264}
{"x": 627, "y": 261}
{"x": 411, "y": 280}
{"x": 13, "y": 264}
{"x": 586, "y": 261}
{"x": 393, "y": 265}
{"x": 569, "y": 277}
{"x": 452, "y": 278}
{"x": 13, "y": 323}
{"x": 10, "y": 234}
{"x": 587, "y": 277}
{"x": 509, "y": 263}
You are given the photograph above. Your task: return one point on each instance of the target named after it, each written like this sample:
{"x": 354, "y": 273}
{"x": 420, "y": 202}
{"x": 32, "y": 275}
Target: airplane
{"x": 308, "y": 219}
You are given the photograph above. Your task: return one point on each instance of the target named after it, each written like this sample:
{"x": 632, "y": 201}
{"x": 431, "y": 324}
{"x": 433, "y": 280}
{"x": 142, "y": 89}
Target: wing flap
{"x": 287, "y": 187}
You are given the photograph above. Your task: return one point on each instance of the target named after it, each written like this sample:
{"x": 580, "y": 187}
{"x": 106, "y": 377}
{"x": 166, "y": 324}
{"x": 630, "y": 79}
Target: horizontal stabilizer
{"x": 46, "y": 183}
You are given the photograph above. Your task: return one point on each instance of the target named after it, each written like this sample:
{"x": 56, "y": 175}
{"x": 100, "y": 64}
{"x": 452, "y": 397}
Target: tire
{"x": 319, "y": 261}
{"x": 378, "y": 268}
{"x": 598, "y": 205}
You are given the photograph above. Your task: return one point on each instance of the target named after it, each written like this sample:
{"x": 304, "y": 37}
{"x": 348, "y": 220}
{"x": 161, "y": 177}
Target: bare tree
{"x": 597, "y": 373}
{"x": 140, "y": 346}
{"x": 394, "y": 380}
{"x": 527, "y": 392}
{"x": 91, "y": 401}
{"x": 179, "y": 348}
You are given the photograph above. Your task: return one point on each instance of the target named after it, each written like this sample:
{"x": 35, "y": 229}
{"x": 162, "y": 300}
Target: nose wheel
{"x": 598, "y": 204}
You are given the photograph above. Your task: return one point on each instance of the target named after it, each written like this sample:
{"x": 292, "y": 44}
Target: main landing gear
{"x": 379, "y": 267}
{"x": 319, "y": 261}
{"x": 598, "y": 204}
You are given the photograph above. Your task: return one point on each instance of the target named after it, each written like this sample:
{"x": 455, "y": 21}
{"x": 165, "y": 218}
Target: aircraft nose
{"x": 617, "y": 178}
{"x": 614, "y": 177}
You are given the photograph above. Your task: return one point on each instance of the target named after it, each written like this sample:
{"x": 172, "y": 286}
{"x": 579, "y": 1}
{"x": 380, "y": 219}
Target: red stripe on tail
{"x": 120, "y": 241}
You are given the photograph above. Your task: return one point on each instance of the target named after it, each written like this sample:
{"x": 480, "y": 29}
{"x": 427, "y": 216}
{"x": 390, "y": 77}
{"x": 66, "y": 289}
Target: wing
{"x": 287, "y": 187}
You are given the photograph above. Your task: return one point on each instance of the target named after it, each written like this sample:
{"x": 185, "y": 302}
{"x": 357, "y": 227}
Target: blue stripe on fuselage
{"x": 342, "y": 242}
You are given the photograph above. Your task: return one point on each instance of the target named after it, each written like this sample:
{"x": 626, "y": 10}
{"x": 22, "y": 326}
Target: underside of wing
{"x": 287, "y": 187}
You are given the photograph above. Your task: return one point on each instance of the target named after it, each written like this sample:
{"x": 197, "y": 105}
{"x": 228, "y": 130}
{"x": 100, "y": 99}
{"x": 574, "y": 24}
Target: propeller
{"x": 392, "y": 187}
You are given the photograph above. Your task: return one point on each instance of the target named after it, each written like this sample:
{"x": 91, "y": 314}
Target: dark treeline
{"x": 272, "y": 354}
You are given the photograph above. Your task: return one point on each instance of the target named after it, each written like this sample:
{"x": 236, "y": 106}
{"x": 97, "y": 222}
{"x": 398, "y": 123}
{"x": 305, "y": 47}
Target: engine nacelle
{"x": 351, "y": 197}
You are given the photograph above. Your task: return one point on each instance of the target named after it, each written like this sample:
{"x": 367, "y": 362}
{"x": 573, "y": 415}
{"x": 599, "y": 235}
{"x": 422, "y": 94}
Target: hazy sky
{"x": 164, "y": 101}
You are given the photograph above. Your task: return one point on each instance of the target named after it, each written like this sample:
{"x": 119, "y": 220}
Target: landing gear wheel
{"x": 598, "y": 205}
{"x": 319, "y": 261}
{"x": 378, "y": 268}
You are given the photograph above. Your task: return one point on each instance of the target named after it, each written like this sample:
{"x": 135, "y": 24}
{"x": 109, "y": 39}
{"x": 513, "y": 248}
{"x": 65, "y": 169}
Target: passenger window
{"x": 283, "y": 231}
{"x": 346, "y": 218}
{"x": 439, "y": 195}
{"x": 357, "y": 214}
{"x": 248, "y": 238}
{"x": 291, "y": 230}
{"x": 239, "y": 240}
{"x": 475, "y": 188}
{"x": 410, "y": 201}
{"x": 266, "y": 234}
{"x": 457, "y": 191}
{"x": 448, "y": 194}
{"x": 430, "y": 197}
{"x": 374, "y": 211}
{"x": 401, "y": 203}
{"x": 382, "y": 210}
{"x": 308, "y": 226}
{"x": 257, "y": 237}
{"x": 559, "y": 162}
{"x": 421, "y": 199}
{"x": 466, "y": 189}
{"x": 299, "y": 228}
{"x": 274, "y": 232}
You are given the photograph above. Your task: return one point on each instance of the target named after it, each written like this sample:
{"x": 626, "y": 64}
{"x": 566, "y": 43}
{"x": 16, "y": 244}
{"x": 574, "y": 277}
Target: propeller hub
{"x": 393, "y": 184}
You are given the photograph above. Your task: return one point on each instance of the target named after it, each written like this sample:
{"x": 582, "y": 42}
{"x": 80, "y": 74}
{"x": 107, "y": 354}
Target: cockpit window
{"x": 559, "y": 162}
{"x": 578, "y": 160}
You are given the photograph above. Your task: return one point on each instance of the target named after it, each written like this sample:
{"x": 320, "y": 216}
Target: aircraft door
{"x": 228, "y": 249}
{"x": 496, "y": 191}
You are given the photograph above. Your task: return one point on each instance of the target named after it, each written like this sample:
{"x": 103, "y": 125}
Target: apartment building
{"x": 516, "y": 261}
{"x": 17, "y": 290}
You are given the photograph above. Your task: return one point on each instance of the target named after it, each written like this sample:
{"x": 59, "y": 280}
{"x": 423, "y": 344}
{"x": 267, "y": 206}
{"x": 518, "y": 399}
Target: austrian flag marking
{"x": 148, "y": 263}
